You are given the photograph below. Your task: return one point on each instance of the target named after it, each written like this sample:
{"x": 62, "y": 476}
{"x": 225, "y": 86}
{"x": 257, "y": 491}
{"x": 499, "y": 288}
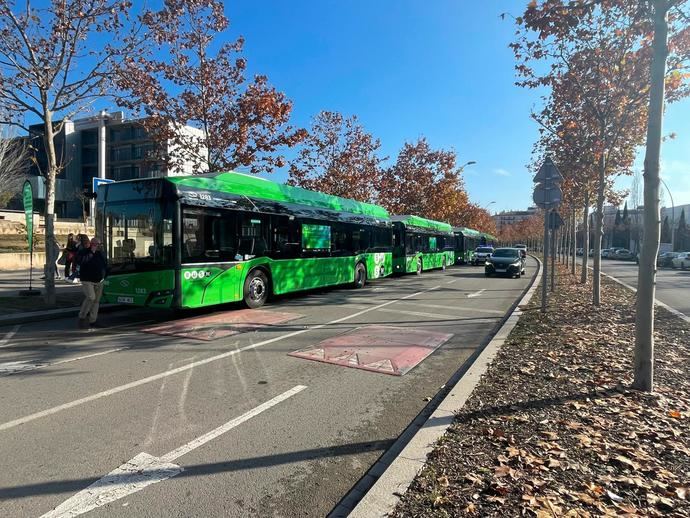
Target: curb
{"x": 393, "y": 480}
{"x": 657, "y": 302}
{"x": 51, "y": 314}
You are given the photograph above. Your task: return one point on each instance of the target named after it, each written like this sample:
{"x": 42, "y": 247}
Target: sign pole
{"x": 544, "y": 292}
{"x": 28, "y": 198}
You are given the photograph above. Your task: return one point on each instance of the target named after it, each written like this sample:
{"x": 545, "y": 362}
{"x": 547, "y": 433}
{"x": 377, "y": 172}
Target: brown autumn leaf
{"x": 682, "y": 492}
{"x": 626, "y": 462}
{"x": 471, "y": 508}
{"x": 553, "y": 463}
{"x": 443, "y": 481}
{"x": 675, "y": 414}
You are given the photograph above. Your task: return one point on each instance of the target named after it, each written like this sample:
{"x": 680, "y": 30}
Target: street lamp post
{"x": 673, "y": 216}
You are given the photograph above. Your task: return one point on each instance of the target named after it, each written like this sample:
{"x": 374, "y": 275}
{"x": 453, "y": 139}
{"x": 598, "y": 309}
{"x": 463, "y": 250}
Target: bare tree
{"x": 14, "y": 164}
{"x": 54, "y": 62}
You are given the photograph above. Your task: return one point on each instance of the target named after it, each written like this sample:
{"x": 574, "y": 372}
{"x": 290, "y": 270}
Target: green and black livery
{"x": 421, "y": 244}
{"x": 193, "y": 241}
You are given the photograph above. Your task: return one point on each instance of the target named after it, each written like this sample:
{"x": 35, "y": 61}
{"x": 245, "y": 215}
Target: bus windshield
{"x": 138, "y": 235}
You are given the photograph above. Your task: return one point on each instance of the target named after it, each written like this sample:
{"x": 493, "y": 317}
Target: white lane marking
{"x": 183, "y": 368}
{"x": 430, "y": 315}
{"x": 460, "y": 308}
{"x": 25, "y": 366}
{"x": 475, "y": 294}
{"x": 144, "y": 469}
{"x": 8, "y": 336}
{"x": 451, "y": 282}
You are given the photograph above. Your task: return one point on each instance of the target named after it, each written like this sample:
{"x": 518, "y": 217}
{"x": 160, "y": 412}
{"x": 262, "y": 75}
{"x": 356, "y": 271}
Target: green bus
{"x": 466, "y": 240}
{"x": 421, "y": 244}
{"x": 194, "y": 241}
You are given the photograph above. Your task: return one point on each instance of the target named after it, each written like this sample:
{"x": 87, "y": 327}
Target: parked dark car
{"x": 505, "y": 261}
{"x": 622, "y": 254}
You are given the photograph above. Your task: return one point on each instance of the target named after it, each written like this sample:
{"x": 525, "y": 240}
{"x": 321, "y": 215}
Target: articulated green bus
{"x": 421, "y": 244}
{"x": 466, "y": 240}
{"x": 193, "y": 241}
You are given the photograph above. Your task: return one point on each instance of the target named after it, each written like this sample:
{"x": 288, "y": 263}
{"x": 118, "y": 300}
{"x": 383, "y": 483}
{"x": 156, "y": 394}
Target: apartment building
{"x": 511, "y": 217}
{"x": 106, "y": 146}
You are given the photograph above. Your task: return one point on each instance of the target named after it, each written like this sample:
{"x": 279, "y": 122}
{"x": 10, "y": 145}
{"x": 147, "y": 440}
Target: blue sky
{"x": 440, "y": 69}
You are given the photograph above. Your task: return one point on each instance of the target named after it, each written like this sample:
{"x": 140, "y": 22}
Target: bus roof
{"x": 256, "y": 187}
{"x": 468, "y": 232}
{"x": 429, "y": 224}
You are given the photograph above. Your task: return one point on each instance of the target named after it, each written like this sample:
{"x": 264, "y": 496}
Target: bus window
{"x": 433, "y": 243}
{"x": 286, "y": 243}
{"x": 208, "y": 236}
{"x": 340, "y": 240}
{"x": 252, "y": 241}
{"x": 316, "y": 238}
{"x": 360, "y": 240}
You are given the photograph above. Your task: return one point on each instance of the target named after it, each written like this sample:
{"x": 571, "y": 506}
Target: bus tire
{"x": 256, "y": 288}
{"x": 443, "y": 264}
{"x": 419, "y": 266}
{"x": 360, "y": 276}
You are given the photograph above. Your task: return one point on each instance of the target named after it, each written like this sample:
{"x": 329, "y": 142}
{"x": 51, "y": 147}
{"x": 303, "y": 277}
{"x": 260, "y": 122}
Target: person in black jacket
{"x": 92, "y": 271}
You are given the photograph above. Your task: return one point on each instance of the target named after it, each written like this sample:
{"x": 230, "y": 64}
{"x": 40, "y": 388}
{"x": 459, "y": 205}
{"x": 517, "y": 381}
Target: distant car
{"x": 580, "y": 251}
{"x": 523, "y": 250}
{"x": 623, "y": 254}
{"x": 505, "y": 261}
{"x": 682, "y": 261}
{"x": 481, "y": 254}
{"x": 665, "y": 259}
{"x": 604, "y": 253}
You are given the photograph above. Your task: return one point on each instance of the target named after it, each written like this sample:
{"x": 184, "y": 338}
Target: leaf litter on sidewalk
{"x": 553, "y": 428}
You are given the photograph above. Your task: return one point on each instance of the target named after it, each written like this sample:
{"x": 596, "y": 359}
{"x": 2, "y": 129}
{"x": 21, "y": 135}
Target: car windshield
{"x": 484, "y": 250}
{"x": 506, "y": 252}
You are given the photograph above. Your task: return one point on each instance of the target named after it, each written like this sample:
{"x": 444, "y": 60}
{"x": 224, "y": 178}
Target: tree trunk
{"x": 585, "y": 240}
{"x": 573, "y": 239}
{"x": 599, "y": 231}
{"x": 646, "y": 277}
{"x": 50, "y": 241}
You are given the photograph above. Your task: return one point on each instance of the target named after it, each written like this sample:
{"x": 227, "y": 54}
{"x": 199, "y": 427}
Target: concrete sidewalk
{"x": 13, "y": 281}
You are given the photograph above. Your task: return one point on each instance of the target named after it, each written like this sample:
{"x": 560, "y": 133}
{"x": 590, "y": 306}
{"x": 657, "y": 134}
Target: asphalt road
{"x": 672, "y": 286}
{"x": 199, "y": 420}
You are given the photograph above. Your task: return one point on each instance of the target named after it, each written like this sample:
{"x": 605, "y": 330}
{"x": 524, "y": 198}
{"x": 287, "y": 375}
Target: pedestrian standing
{"x": 70, "y": 256}
{"x": 92, "y": 272}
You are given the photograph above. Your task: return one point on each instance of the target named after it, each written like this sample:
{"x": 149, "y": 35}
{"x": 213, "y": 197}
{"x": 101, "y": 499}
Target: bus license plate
{"x": 126, "y": 300}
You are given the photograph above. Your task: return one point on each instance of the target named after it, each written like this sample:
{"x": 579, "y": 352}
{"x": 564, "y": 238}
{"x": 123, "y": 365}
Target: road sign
{"x": 555, "y": 220}
{"x": 548, "y": 172}
{"x": 95, "y": 182}
{"x": 546, "y": 197}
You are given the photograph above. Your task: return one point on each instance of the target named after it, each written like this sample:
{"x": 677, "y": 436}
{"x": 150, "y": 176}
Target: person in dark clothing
{"x": 70, "y": 252}
{"x": 92, "y": 272}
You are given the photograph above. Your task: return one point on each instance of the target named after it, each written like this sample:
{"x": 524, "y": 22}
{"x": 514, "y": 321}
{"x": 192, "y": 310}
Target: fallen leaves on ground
{"x": 553, "y": 428}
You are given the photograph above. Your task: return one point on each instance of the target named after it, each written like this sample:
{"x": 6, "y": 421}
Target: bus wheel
{"x": 419, "y": 266}
{"x": 255, "y": 289}
{"x": 360, "y": 276}
{"x": 443, "y": 264}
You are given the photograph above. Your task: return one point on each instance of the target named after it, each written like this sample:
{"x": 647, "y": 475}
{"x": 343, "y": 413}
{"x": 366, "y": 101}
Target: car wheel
{"x": 682, "y": 265}
{"x": 487, "y": 274}
{"x": 256, "y": 289}
{"x": 419, "y": 266}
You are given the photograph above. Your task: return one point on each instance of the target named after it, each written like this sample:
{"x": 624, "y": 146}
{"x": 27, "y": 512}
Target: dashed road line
{"x": 8, "y": 336}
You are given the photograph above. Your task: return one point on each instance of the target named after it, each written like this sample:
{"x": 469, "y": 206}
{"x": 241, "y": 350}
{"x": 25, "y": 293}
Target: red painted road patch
{"x": 220, "y": 325}
{"x": 385, "y": 349}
